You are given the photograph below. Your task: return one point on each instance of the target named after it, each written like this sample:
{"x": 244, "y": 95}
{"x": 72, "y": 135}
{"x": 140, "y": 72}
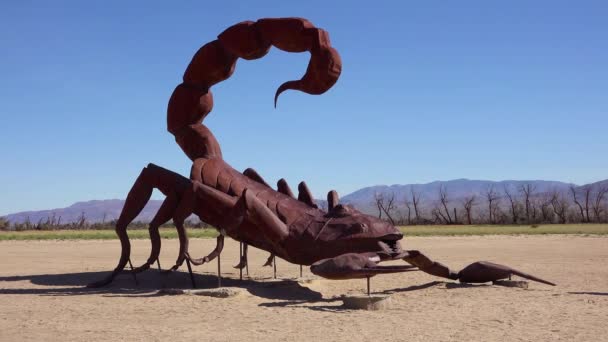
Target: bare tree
{"x": 514, "y": 205}
{"x": 492, "y": 198}
{"x": 560, "y": 206}
{"x": 527, "y": 190}
{"x": 545, "y": 210}
{"x": 587, "y": 193}
{"x": 437, "y": 215}
{"x": 468, "y": 204}
{"x": 386, "y": 206}
{"x": 80, "y": 222}
{"x": 583, "y": 210}
{"x": 598, "y": 207}
{"x": 4, "y": 223}
{"x": 416, "y": 203}
{"x": 27, "y": 223}
{"x": 379, "y": 202}
{"x": 408, "y": 205}
{"x": 443, "y": 198}
{"x": 389, "y": 207}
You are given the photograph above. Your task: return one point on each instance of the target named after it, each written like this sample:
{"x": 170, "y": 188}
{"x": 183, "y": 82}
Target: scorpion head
{"x": 348, "y": 229}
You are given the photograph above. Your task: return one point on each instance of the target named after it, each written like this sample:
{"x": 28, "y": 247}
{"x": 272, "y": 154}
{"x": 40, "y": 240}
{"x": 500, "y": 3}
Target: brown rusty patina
{"x": 340, "y": 243}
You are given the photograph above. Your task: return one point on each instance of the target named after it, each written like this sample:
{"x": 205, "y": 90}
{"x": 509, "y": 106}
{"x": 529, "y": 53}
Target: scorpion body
{"x": 339, "y": 243}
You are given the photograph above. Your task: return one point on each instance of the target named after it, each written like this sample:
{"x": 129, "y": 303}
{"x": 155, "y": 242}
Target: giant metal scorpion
{"x": 340, "y": 243}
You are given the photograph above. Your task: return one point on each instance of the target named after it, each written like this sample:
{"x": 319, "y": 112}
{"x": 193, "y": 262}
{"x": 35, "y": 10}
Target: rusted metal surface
{"x": 341, "y": 243}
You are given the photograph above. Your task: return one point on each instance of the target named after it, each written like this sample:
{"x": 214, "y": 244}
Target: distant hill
{"x": 457, "y": 189}
{"x": 93, "y": 211}
{"x": 363, "y": 199}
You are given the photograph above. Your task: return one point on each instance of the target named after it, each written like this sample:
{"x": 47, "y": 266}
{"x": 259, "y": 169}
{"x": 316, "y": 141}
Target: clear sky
{"x": 430, "y": 90}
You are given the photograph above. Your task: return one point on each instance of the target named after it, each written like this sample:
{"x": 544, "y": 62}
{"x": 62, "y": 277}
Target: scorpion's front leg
{"x": 243, "y": 262}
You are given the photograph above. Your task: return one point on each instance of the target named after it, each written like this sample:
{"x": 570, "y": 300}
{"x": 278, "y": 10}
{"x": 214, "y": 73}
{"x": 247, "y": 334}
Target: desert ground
{"x": 42, "y": 297}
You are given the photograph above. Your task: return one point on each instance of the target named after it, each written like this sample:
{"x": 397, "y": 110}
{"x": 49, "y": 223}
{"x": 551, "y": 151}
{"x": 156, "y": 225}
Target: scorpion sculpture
{"x": 340, "y": 243}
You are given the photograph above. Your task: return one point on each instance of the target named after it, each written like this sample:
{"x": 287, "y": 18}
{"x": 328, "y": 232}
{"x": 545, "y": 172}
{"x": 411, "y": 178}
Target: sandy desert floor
{"x": 42, "y": 296}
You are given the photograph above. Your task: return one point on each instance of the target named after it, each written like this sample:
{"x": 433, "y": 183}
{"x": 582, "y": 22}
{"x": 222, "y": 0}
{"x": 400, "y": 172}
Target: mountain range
{"x": 363, "y": 199}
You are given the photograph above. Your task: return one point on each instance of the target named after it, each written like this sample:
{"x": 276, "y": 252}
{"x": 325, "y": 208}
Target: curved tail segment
{"x": 215, "y": 61}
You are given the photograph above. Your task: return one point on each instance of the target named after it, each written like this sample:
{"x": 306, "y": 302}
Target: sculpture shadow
{"x": 149, "y": 282}
{"x": 75, "y": 283}
{"x": 282, "y": 292}
{"x": 413, "y": 287}
{"x": 589, "y": 293}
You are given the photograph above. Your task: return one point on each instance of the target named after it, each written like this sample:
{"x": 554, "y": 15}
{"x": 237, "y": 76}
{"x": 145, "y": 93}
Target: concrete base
{"x": 511, "y": 283}
{"x": 222, "y": 292}
{"x": 364, "y": 302}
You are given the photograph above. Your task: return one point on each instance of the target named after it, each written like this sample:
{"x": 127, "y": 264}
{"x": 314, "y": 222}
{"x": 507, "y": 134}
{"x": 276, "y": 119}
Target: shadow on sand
{"x": 149, "y": 282}
{"x": 589, "y": 293}
{"x": 282, "y": 292}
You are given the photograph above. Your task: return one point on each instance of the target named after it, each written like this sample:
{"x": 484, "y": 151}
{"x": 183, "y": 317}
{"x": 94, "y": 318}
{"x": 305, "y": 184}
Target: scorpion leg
{"x": 216, "y": 251}
{"x": 284, "y": 188}
{"x": 243, "y": 261}
{"x": 164, "y": 214}
{"x": 150, "y": 177}
{"x": 255, "y": 176}
{"x": 332, "y": 199}
{"x": 246, "y": 207}
{"x": 200, "y": 192}
{"x": 304, "y": 195}
{"x": 184, "y": 209}
{"x": 269, "y": 261}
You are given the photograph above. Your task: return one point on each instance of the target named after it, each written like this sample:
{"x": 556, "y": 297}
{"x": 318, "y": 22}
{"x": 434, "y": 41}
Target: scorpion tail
{"x": 295, "y": 85}
{"x": 215, "y": 62}
{"x": 323, "y": 72}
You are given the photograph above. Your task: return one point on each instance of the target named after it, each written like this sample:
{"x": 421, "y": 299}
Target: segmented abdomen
{"x": 217, "y": 174}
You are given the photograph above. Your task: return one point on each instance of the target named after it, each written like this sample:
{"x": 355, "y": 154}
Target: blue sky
{"x": 429, "y": 91}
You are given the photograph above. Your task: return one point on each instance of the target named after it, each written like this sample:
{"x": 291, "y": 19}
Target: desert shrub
{"x": 4, "y": 223}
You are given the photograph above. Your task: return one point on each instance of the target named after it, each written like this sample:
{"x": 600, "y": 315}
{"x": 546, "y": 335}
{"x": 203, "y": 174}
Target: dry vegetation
{"x": 429, "y": 230}
{"x": 516, "y": 205}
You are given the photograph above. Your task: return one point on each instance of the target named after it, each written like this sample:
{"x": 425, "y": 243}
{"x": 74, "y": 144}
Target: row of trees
{"x": 81, "y": 223}
{"x": 523, "y": 205}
